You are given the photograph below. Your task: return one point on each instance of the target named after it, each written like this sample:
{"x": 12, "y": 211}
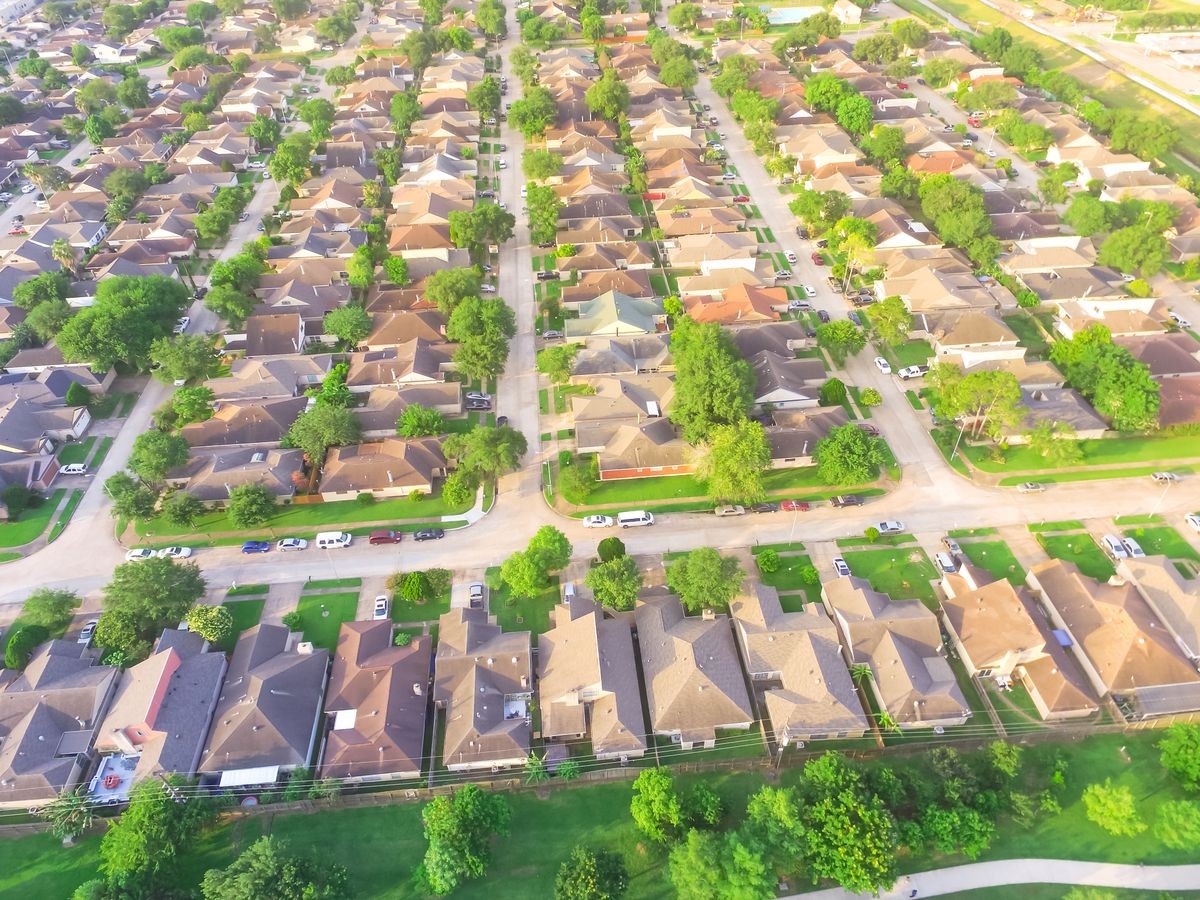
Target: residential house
{"x": 1172, "y": 596}
{"x": 694, "y": 684}
{"x": 245, "y": 423}
{"x": 483, "y": 681}
{"x": 587, "y": 681}
{"x": 211, "y": 473}
{"x": 376, "y": 704}
{"x": 613, "y": 314}
{"x": 268, "y": 714}
{"x": 394, "y": 467}
{"x": 785, "y": 382}
{"x": 796, "y": 668}
{"x": 275, "y": 334}
{"x": 740, "y": 305}
{"x": 413, "y": 362}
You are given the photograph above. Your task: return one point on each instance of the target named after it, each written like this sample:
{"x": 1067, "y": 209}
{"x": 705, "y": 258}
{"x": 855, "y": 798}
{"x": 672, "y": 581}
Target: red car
{"x": 818, "y": 260}
{"x": 741, "y": 198}
{"x": 902, "y": 85}
{"x": 384, "y": 537}
{"x": 18, "y": 231}
{"x": 794, "y": 506}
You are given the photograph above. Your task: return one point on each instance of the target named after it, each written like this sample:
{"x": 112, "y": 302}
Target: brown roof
{"x": 377, "y": 696}
{"x": 377, "y": 466}
{"x": 246, "y": 422}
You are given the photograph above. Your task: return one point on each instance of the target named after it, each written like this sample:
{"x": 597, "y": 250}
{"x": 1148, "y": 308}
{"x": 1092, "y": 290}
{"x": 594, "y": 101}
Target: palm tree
{"x": 860, "y": 672}
{"x": 535, "y": 769}
{"x": 69, "y": 814}
{"x": 65, "y": 255}
{"x": 886, "y": 722}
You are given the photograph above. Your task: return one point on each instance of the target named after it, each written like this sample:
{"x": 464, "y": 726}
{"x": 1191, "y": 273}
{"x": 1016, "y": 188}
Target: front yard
{"x": 1163, "y": 540}
{"x": 1101, "y": 452}
{"x": 903, "y": 573}
{"x": 996, "y": 558}
{"x": 520, "y": 613}
{"x": 1081, "y": 550}
{"x": 31, "y": 523}
{"x": 322, "y": 615}
{"x": 246, "y": 614}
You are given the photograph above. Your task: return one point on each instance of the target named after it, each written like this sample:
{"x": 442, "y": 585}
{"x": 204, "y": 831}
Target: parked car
{"x": 794, "y": 506}
{"x": 1193, "y": 520}
{"x": 89, "y": 631}
{"x": 598, "y": 521}
{"x": 868, "y": 429}
{"x": 1180, "y": 320}
{"x": 479, "y": 395}
{"x": 384, "y": 537}
{"x": 174, "y": 553}
{"x": 475, "y": 594}
{"x": 256, "y": 547}
{"x": 890, "y": 526}
{"x": 73, "y": 469}
{"x": 839, "y": 566}
{"x": 766, "y": 507}
{"x": 291, "y": 544}
{"x": 912, "y": 371}
{"x": 139, "y": 554}
{"x": 1030, "y": 487}
{"x": 1133, "y": 548}
{"x": 818, "y": 260}
{"x": 551, "y": 334}
{"x": 429, "y": 534}
{"x": 946, "y": 562}
{"x": 797, "y": 305}
{"x": 501, "y": 421}
{"x": 883, "y": 365}
{"x": 952, "y": 545}
{"x": 791, "y": 257}
{"x": 730, "y": 511}
{"x": 744, "y": 198}
{"x": 783, "y": 274}
{"x": 382, "y": 608}
{"x": 548, "y": 276}
{"x": 478, "y": 405}
{"x": 854, "y": 317}
{"x": 846, "y": 500}
{"x": 1114, "y": 547}
{"x": 1165, "y": 477}
{"x": 182, "y": 324}
{"x": 822, "y": 315}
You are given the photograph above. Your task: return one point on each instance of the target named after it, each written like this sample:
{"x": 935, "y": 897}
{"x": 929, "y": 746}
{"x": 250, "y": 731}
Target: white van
{"x": 568, "y": 592}
{"x": 634, "y": 518}
{"x": 1113, "y": 547}
{"x": 947, "y": 563}
{"x": 332, "y": 540}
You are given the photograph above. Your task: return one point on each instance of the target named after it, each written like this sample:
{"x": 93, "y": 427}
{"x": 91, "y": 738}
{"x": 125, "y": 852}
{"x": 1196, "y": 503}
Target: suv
{"x": 1165, "y": 477}
{"x": 73, "y": 469}
{"x": 475, "y": 594}
{"x": 548, "y": 276}
{"x": 839, "y": 566}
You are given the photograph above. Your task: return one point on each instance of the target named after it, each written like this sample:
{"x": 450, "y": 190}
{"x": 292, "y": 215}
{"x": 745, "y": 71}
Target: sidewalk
{"x": 1028, "y": 871}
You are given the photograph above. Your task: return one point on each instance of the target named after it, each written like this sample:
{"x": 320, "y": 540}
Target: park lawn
{"x": 305, "y": 519}
{"x": 903, "y": 573}
{"x": 520, "y": 613}
{"x": 1081, "y": 550}
{"x": 1163, "y": 540}
{"x": 76, "y": 453}
{"x": 320, "y": 629}
{"x": 1099, "y": 452}
{"x": 995, "y": 557}
{"x": 246, "y": 614}
{"x": 31, "y": 523}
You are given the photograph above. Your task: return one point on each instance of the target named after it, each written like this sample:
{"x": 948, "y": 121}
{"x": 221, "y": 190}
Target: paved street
{"x": 1026, "y": 871}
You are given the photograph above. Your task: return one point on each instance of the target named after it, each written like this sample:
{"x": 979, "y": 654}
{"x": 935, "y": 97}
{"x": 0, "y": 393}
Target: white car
{"x": 291, "y": 544}
{"x": 382, "y": 608}
{"x": 174, "y": 552}
{"x": 809, "y": 290}
{"x": 782, "y": 274}
{"x": 598, "y": 522}
{"x": 256, "y": 165}
{"x": 990, "y": 152}
{"x": 475, "y": 595}
{"x": 1030, "y": 487}
{"x": 504, "y": 164}
{"x": 1133, "y": 548}
{"x": 910, "y": 372}
{"x": 139, "y": 555}
{"x": 89, "y": 630}
{"x": 791, "y": 257}
{"x": 5, "y": 197}
{"x": 28, "y": 188}
{"x": 503, "y": 205}
{"x": 883, "y": 365}
{"x": 1165, "y": 477}
{"x": 890, "y": 526}
{"x": 73, "y": 469}
{"x": 182, "y": 324}
{"x": 1180, "y": 320}
{"x": 1193, "y": 520}
{"x": 839, "y": 566}
{"x": 487, "y": 289}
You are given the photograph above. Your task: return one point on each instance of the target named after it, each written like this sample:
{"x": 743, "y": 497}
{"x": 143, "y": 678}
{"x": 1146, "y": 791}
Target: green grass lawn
{"x": 563, "y": 393}
{"x": 1028, "y": 333}
{"x": 248, "y": 590}
{"x": 995, "y": 557}
{"x": 101, "y": 452}
{"x": 903, "y": 573}
{"x": 323, "y": 583}
{"x": 31, "y": 523}
{"x": 788, "y": 578}
{"x": 644, "y": 491}
{"x": 971, "y": 532}
{"x": 1097, "y": 474}
{"x": 305, "y": 519}
{"x": 1163, "y": 540}
{"x": 520, "y": 613}
{"x": 429, "y": 611}
{"x": 65, "y": 516}
{"x": 1104, "y": 451}
{"x": 246, "y": 614}
{"x": 76, "y": 453}
{"x": 1061, "y": 525}
{"x": 1081, "y": 550}
{"x": 910, "y": 353}
{"x": 322, "y": 629}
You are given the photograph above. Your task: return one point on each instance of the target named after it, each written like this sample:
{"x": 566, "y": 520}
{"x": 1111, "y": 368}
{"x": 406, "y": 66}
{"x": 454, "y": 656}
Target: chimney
{"x": 708, "y": 615}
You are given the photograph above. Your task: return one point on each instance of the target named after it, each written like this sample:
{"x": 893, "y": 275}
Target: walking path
{"x": 1028, "y": 871}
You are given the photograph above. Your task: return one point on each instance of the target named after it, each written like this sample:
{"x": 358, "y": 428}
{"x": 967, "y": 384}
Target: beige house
{"x": 694, "y": 683}
{"x": 393, "y": 467}
{"x": 587, "y": 681}
{"x": 1173, "y": 597}
{"x": 796, "y": 666}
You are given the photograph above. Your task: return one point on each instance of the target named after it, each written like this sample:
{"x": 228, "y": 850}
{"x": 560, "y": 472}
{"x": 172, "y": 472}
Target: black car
{"x": 548, "y": 276}
{"x": 429, "y": 534}
{"x": 764, "y": 507}
{"x": 801, "y": 232}
{"x": 545, "y": 245}
{"x": 485, "y": 194}
{"x": 855, "y": 318}
{"x": 501, "y": 421}
{"x": 846, "y": 500}
{"x": 822, "y": 243}
{"x": 822, "y": 315}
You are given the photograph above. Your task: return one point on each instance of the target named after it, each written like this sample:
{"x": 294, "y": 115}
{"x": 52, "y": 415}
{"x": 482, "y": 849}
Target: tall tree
{"x": 848, "y": 456}
{"x": 265, "y": 869}
{"x": 140, "y": 851}
{"x": 892, "y": 320}
{"x": 320, "y": 428}
{"x": 459, "y": 829}
{"x": 615, "y": 583}
{"x": 733, "y": 461}
{"x": 143, "y": 598}
{"x": 155, "y": 453}
{"x": 713, "y": 383}
{"x": 703, "y": 578}
{"x": 589, "y": 874}
{"x": 656, "y": 807}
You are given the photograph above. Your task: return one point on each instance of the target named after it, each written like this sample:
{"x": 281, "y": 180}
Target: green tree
{"x": 989, "y": 401}
{"x": 182, "y": 357}
{"x": 704, "y": 579}
{"x": 322, "y": 427}
{"x": 396, "y": 270}
{"x": 555, "y": 362}
{"x": 482, "y": 328}
{"x": 679, "y": 72}
{"x": 155, "y": 453}
{"x": 1135, "y": 249}
{"x": 140, "y": 851}
{"x": 848, "y": 456}
{"x": 615, "y": 583}
{"x": 78, "y": 395}
{"x": 350, "y": 324}
{"x": 684, "y": 15}
{"x": 544, "y": 206}
{"x": 182, "y": 508}
{"x": 734, "y": 460}
{"x": 1178, "y": 825}
{"x": 484, "y": 96}
{"x": 291, "y": 163}
{"x": 46, "y": 321}
{"x": 1179, "y": 753}
{"x": 589, "y": 874}
{"x": 656, "y": 808}
{"x": 129, "y": 313}
{"x": 841, "y": 338}
{"x": 609, "y": 96}
{"x": 534, "y": 113}
{"x": 265, "y": 130}
{"x": 447, "y": 288}
{"x": 51, "y": 609}
{"x": 250, "y": 505}
{"x": 143, "y": 598}
{"x": 538, "y": 165}
{"x": 42, "y": 288}
{"x": 855, "y": 114}
{"x": 70, "y": 813}
{"x": 486, "y": 453}
{"x": 420, "y": 421}
{"x": 892, "y": 320}
{"x": 610, "y": 548}
{"x": 264, "y": 869}
{"x": 213, "y": 623}
{"x": 910, "y": 33}
{"x": 713, "y": 383}
{"x": 193, "y": 404}
{"x": 1112, "y": 807}
{"x": 459, "y": 829}
{"x": 819, "y": 210}
{"x": 522, "y": 574}
{"x": 318, "y": 114}
{"x": 21, "y": 644}
{"x": 230, "y": 304}
{"x": 550, "y": 549}
{"x": 708, "y": 866}
{"x": 773, "y": 822}
{"x": 131, "y": 499}
{"x": 489, "y": 16}
{"x": 1055, "y": 442}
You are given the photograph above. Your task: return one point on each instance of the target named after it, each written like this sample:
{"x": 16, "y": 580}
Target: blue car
{"x": 256, "y": 547}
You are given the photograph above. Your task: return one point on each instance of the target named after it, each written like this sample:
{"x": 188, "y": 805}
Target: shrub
{"x": 610, "y": 548}
{"x": 17, "y": 498}
{"x": 438, "y": 581}
{"x": 871, "y": 533}
{"x": 870, "y": 397}
{"x": 402, "y": 639}
{"x": 365, "y": 498}
{"x": 768, "y": 561}
{"x": 21, "y": 645}
{"x": 292, "y": 620}
{"x": 78, "y": 395}
{"x": 810, "y": 575}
